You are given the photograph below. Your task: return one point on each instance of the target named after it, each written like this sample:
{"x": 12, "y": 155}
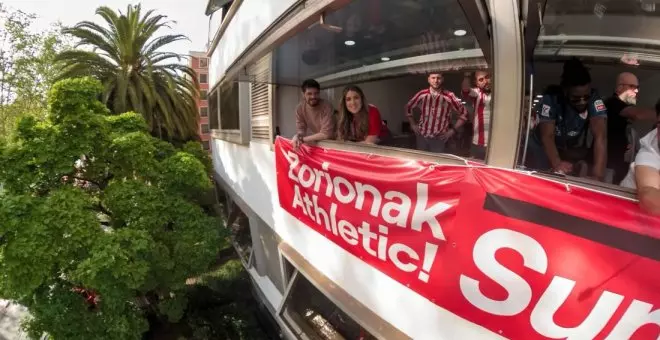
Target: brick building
{"x": 200, "y": 63}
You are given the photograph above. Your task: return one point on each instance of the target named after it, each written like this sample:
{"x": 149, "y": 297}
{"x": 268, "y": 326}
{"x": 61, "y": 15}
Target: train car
{"x": 355, "y": 240}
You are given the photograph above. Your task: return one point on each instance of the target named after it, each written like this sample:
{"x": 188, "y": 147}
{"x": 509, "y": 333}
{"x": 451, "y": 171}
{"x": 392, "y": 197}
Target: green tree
{"x": 137, "y": 76}
{"x": 27, "y": 67}
{"x": 100, "y": 226}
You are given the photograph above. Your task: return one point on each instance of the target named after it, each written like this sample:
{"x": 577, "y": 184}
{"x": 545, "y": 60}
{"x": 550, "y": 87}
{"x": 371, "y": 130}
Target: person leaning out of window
{"x": 358, "y": 121}
{"x": 313, "y": 114}
{"x": 644, "y": 173}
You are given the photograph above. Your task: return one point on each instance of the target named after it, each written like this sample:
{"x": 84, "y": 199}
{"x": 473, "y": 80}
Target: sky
{"x": 188, "y": 14}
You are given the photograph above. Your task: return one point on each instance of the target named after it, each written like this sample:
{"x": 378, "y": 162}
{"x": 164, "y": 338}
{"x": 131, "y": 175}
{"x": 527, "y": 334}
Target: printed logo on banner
{"x": 600, "y": 106}
{"x": 545, "y": 110}
{"x": 483, "y": 258}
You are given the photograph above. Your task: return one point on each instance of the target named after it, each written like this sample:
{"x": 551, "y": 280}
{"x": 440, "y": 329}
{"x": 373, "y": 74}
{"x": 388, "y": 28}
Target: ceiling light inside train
{"x": 349, "y": 42}
{"x": 648, "y": 6}
{"x": 460, "y": 33}
{"x": 385, "y": 59}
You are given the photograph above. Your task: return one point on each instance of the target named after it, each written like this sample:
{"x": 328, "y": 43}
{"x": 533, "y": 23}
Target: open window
{"x": 239, "y": 226}
{"x": 315, "y": 308}
{"x": 609, "y": 38}
{"x": 387, "y": 48}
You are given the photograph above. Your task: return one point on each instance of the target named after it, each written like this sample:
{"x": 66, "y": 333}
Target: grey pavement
{"x": 11, "y": 315}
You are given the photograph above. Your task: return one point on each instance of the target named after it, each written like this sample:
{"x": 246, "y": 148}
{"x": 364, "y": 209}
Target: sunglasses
{"x": 579, "y": 99}
{"x": 632, "y": 86}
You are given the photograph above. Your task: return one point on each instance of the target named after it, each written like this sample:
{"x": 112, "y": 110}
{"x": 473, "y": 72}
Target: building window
{"x": 229, "y": 112}
{"x": 225, "y": 9}
{"x": 203, "y": 62}
{"x": 206, "y": 145}
{"x": 203, "y": 78}
{"x": 311, "y": 315}
{"x": 203, "y": 111}
{"x": 587, "y": 30}
{"x": 213, "y": 109}
{"x": 203, "y": 95}
{"x": 205, "y": 128}
{"x": 394, "y": 65}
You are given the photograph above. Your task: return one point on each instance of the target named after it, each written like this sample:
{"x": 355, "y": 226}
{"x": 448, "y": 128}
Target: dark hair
{"x": 574, "y": 74}
{"x": 346, "y": 118}
{"x": 310, "y": 84}
{"x": 657, "y": 108}
{"x": 428, "y": 74}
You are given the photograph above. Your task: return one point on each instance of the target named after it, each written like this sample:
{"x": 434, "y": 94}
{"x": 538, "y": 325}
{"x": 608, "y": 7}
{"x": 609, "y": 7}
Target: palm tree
{"x": 137, "y": 76}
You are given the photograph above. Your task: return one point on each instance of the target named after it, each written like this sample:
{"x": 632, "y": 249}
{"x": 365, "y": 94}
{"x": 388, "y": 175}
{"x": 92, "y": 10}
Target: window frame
{"x": 269, "y": 62}
{"x": 360, "y": 314}
{"x": 204, "y": 94}
{"x": 206, "y": 75}
{"x": 214, "y": 115}
{"x": 494, "y": 38}
{"x": 242, "y": 134}
{"x": 203, "y": 62}
{"x": 208, "y": 128}
{"x": 202, "y": 109}
{"x": 533, "y": 15}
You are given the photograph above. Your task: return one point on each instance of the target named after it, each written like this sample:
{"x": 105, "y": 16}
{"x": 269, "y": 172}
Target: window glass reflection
{"x": 311, "y": 313}
{"x": 397, "y": 73}
{"x": 371, "y": 32}
{"x": 616, "y": 44}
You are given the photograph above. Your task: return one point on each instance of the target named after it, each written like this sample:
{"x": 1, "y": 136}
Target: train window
{"x": 412, "y": 63}
{"x": 287, "y": 270}
{"x": 229, "y": 106}
{"x": 311, "y": 315}
{"x": 595, "y": 66}
{"x": 239, "y": 226}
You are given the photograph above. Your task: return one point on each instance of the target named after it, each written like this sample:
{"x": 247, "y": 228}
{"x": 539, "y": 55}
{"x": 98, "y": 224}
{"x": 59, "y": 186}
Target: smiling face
{"x": 353, "y": 102}
{"x": 312, "y": 96}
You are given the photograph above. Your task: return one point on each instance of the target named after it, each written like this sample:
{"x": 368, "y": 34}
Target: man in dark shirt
{"x": 566, "y": 112}
{"x": 625, "y": 95}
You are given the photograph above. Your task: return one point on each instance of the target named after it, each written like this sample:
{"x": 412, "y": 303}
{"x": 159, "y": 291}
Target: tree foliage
{"x": 137, "y": 76}
{"x": 99, "y": 221}
{"x": 27, "y": 67}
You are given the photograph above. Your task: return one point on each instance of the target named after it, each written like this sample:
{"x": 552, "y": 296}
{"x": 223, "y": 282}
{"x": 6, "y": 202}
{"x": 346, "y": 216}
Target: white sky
{"x": 188, "y": 14}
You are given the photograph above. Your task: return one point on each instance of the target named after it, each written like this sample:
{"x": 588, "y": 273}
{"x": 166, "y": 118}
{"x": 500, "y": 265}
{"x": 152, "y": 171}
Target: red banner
{"x": 522, "y": 256}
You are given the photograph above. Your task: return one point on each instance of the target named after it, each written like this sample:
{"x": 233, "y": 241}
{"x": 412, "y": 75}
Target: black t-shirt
{"x": 616, "y": 130}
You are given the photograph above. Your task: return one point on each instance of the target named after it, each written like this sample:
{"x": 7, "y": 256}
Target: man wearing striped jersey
{"x": 477, "y": 88}
{"x": 436, "y": 104}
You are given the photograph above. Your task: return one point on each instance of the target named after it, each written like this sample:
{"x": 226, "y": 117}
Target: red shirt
{"x": 436, "y": 111}
{"x": 482, "y": 113}
{"x": 375, "y": 123}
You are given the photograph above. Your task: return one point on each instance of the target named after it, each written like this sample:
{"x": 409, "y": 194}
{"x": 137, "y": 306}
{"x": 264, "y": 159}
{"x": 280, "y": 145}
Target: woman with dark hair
{"x": 358, "y": 121}
{"x": 566, "y": 112}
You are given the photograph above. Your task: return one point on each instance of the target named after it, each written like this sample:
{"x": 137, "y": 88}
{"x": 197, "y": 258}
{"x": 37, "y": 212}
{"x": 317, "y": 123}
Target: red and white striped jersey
{"x": 482, "y": 114}
{"x": 436, "y": 110}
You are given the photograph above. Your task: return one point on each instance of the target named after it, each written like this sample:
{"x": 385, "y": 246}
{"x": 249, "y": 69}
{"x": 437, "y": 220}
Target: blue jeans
{"x": 430, "y": 144}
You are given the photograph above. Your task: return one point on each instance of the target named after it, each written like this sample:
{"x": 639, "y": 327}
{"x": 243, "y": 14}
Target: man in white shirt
{"x": 644, "y": 173}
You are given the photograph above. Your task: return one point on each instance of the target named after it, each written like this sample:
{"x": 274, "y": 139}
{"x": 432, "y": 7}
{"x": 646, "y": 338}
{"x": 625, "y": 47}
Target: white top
{"x": 648, "y": 155}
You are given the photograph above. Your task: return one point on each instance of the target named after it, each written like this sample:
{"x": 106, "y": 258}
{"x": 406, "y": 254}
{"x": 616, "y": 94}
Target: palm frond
{"x": 136, "y": 74}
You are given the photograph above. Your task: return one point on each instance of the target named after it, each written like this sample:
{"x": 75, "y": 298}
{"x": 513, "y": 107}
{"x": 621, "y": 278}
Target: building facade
{"x": 331, "y": 282}
{"x": 200, "y": 64}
